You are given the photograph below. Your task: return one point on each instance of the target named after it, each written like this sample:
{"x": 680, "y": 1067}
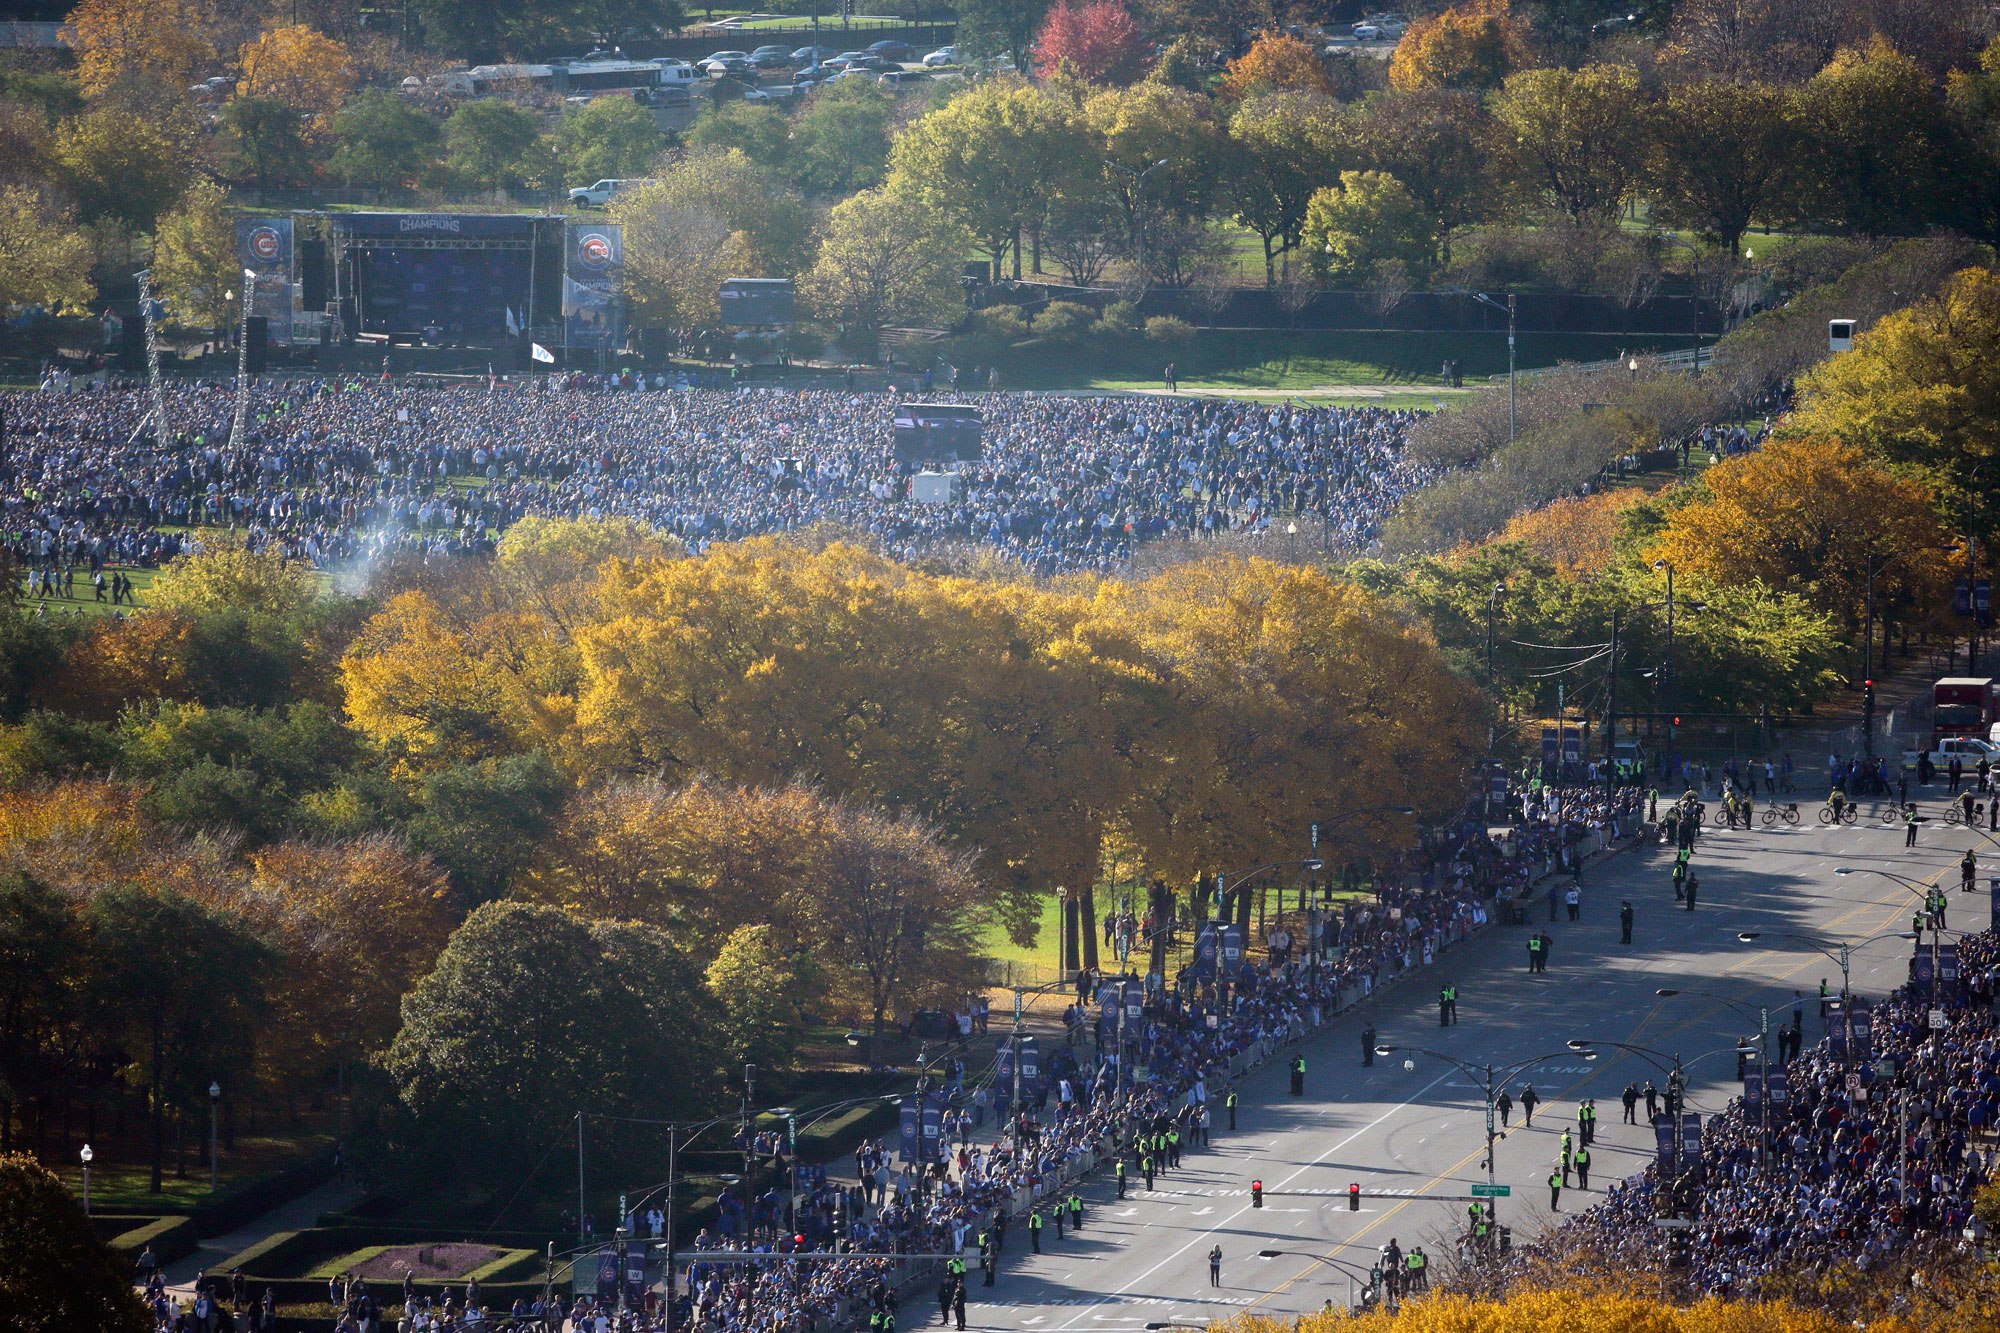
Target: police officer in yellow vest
{"x": 1298, "y": 1076}
{"x": 1035, "y": 1229}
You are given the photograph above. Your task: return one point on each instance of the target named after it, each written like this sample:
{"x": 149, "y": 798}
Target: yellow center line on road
{"x": 1567, "y": 1093}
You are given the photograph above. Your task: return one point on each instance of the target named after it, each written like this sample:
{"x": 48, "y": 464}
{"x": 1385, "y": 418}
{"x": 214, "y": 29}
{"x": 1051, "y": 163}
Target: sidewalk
{"x": 297, "y": 1215}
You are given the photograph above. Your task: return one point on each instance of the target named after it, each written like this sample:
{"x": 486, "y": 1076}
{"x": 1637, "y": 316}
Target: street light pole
{"x": 86, "y": 1155}
{"x": 214, "y": 1100}
{"x": 1512, "y": 312}
{"x": 1492, "y": 696}
{"x": 1667, "y": 685}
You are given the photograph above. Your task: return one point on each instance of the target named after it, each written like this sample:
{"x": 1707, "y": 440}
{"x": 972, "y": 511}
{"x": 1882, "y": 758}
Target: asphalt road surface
{"x": 1420, "y": 1132}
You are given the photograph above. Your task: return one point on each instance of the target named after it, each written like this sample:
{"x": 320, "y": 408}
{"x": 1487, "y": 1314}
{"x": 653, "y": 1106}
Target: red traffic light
{"x": 1354, "y": 1198}
{"x": 1869, "y": 683}
{"x": 1256, "y": 1194}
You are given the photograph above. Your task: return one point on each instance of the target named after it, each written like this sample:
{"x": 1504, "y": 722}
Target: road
{"x": 1419, "y": 1131}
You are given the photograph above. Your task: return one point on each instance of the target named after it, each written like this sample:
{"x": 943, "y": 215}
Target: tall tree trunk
{"x": 1086, "y": 906}
{"x": 158, "y": 1108}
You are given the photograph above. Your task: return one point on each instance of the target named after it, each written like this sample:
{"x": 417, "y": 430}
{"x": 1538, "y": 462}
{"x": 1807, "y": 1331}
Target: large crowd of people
{"x": 338, "y": 472}
{"x": 1083, "y": 1111}
{"x": 1844, "y": 1179}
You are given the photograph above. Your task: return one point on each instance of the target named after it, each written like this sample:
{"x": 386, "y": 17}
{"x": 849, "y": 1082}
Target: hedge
{"x": 172, "y": 1238}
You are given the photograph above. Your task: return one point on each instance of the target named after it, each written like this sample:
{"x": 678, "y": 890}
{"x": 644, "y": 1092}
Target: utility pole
{"x": 579, "y": 1178}
{"x": 1611, "y": 713}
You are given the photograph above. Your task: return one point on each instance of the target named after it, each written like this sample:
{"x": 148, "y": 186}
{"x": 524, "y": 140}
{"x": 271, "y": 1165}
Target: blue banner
{"x": 1950, "y": 983}
{"x": 464, "y": 226}
{"x": 1206, "y": 946}
{"x": 908, "y": 1116}
{"x": 1666, "y": 1141}
{"x": 264, "y": 248}
{"x": 1690, "y": 1136}
{"x": 1232, "y": 947}
{"x": 594, "y": 263}
{"x": 1779, "y": 1085}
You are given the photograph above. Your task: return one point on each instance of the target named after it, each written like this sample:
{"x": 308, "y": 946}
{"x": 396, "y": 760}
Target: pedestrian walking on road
{"x": 1693, "y": 887}
{"x": 1368, "y": 1046}
{"x": 1555, "y": 1191}
{"x": 1534, "y": 953}
{"x": 1035, "y": 1221}
{"x": 1910, "y": 824}
{"x": 1583, "y": 1168}
{"x": 1680, "y": 878}
{"x": 1568, "y": 1154}
{"x": 1631, "y": 1099}
{"x": 1573, "y": 901}
{"x": 958, "y": 1298}
{"x": 1298, "y": 1076}
{"x": 1652, "y": 1102}
{"x": 1121, "y": 1177}
{"x": 1505, "y": 1105}
{"x": 1624, "y": 923}
{"x": 1059, "y": 1210}
{"x": 1528, "y": 1103}
{"x": 1215, "y": 1266}
{"x": 1230, "y": 1102}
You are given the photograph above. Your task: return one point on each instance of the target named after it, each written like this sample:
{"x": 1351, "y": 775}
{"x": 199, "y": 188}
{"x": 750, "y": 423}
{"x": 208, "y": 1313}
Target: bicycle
{"x": 1848, "y": 814}
{"x": 1722, "y": 819}
{"x": 1789, "y": 813}
{"x": 1954, "y": 814}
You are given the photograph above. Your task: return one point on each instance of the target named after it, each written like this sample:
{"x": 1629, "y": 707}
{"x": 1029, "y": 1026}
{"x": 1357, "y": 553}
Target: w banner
{"x": 1232, "y": 948}
{"x": 931, "y": 1117}
{"x": 593, "y": 263}
{"x": 1690, "y": 1138}
{"x": 264, "y": 247}
{"x": 1859, "y": 1018}
{"x": 1760, "y": 1084}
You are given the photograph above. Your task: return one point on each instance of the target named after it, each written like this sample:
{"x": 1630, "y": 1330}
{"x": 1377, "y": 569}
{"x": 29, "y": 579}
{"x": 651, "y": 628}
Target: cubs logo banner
{"x": 593, "y": 310}
{"x": 264, "y": 247}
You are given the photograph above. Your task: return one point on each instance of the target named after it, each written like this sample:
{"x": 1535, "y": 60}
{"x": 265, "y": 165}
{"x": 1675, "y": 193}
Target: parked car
{"x": 891, "y": 49}
{"x": 844, "y": 59}
{"x": 812, "y": 76}
{"x": 772, "y": 92}
{"x": 770, "y": 57}
{"x": 903, "y": 78}
{"x": 810, "y": 55}
{"x": 717, "y": 66}
{"x": 944, "y": 55}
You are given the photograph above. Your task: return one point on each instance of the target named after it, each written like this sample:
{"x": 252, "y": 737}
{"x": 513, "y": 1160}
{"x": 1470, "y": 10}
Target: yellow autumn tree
{"x": 360, "y": 921}
{"x": 156, "y": 45}
{"x": 1474, "y": 45}
{"x": 1282, "y": 698}
{"x": 423, "y": 689}
{"x": 1811, "y": 516}
{"x": 300, "y": 67}
{"x": 1576, "y": 535}
{"x": 1562, "y": 1310}
{"x": 1276, "y": 62}
{"x": 888, "y": 915}
{"x": 227, "y": 575}
{"x": 118, "y": 662}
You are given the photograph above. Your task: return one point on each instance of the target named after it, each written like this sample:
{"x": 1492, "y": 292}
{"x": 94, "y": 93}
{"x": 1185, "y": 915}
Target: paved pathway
{"x": 297, "y": 1215}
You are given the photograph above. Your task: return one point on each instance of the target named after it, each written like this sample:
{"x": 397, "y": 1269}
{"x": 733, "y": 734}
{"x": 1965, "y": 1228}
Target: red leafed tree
{"x": 1097, "y": 39}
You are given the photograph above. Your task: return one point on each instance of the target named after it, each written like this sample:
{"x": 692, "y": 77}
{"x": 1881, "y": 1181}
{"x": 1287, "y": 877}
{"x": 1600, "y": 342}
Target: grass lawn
{"x": 1219, "y": 361}
{"x": 121, "y": 1186}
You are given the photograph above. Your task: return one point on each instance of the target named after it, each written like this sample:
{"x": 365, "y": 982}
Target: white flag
{"x": 513, "y": 325}
{"x": 541, "y": 353}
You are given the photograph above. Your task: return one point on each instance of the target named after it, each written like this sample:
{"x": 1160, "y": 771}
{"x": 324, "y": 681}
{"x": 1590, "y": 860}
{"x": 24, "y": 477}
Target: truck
{"x": 1968, "y": 750}
{"x": 603, "y": 192}
{"x": 1962, "y": 706}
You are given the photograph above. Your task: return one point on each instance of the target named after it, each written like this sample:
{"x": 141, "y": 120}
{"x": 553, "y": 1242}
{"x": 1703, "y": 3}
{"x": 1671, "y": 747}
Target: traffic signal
{"x": 1868, "y": 697}
{"x": 1256, "y": 1194}
{"x": 1354, "y": 1198}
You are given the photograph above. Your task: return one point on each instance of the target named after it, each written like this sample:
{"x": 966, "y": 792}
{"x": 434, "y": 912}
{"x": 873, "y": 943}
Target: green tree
{"x": 43, "y": 1231}
{"x": 117, "y": 164}
{"x": 1575, "y": 135}
{"x": 532, "y": 1013}
{"x": 887, "y": 258}
{"x": 1436, "y": 141}
{"x": 179, "y": 984}
{"x": 753, "y": 980}
{"x": 1874, "y": 154}
{"x": 481, "y": 821}
{"x": 1921, "y": 390}
{"x": 840, "y": 142}
{"x": 1281, "y": 148}
{"x": 41, "y": 954}
{"x": 195, "y": 262}
{"x": 752, "y": 200}
{"x": 490, "y": 144}
{"x": 608, "y": 137}
{"x": 990, "y": 158}
{"x": 262, "y": 140}
{"x": 383, "y": 141}
{"x": 1000, "y": 28}
{"x": 1369, "y": 219}
{"x": 1718, "y": 155}
{"x": 758, "y": 130}
{"x": 44, "y": 259}
{"x": 488, "y": 28}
